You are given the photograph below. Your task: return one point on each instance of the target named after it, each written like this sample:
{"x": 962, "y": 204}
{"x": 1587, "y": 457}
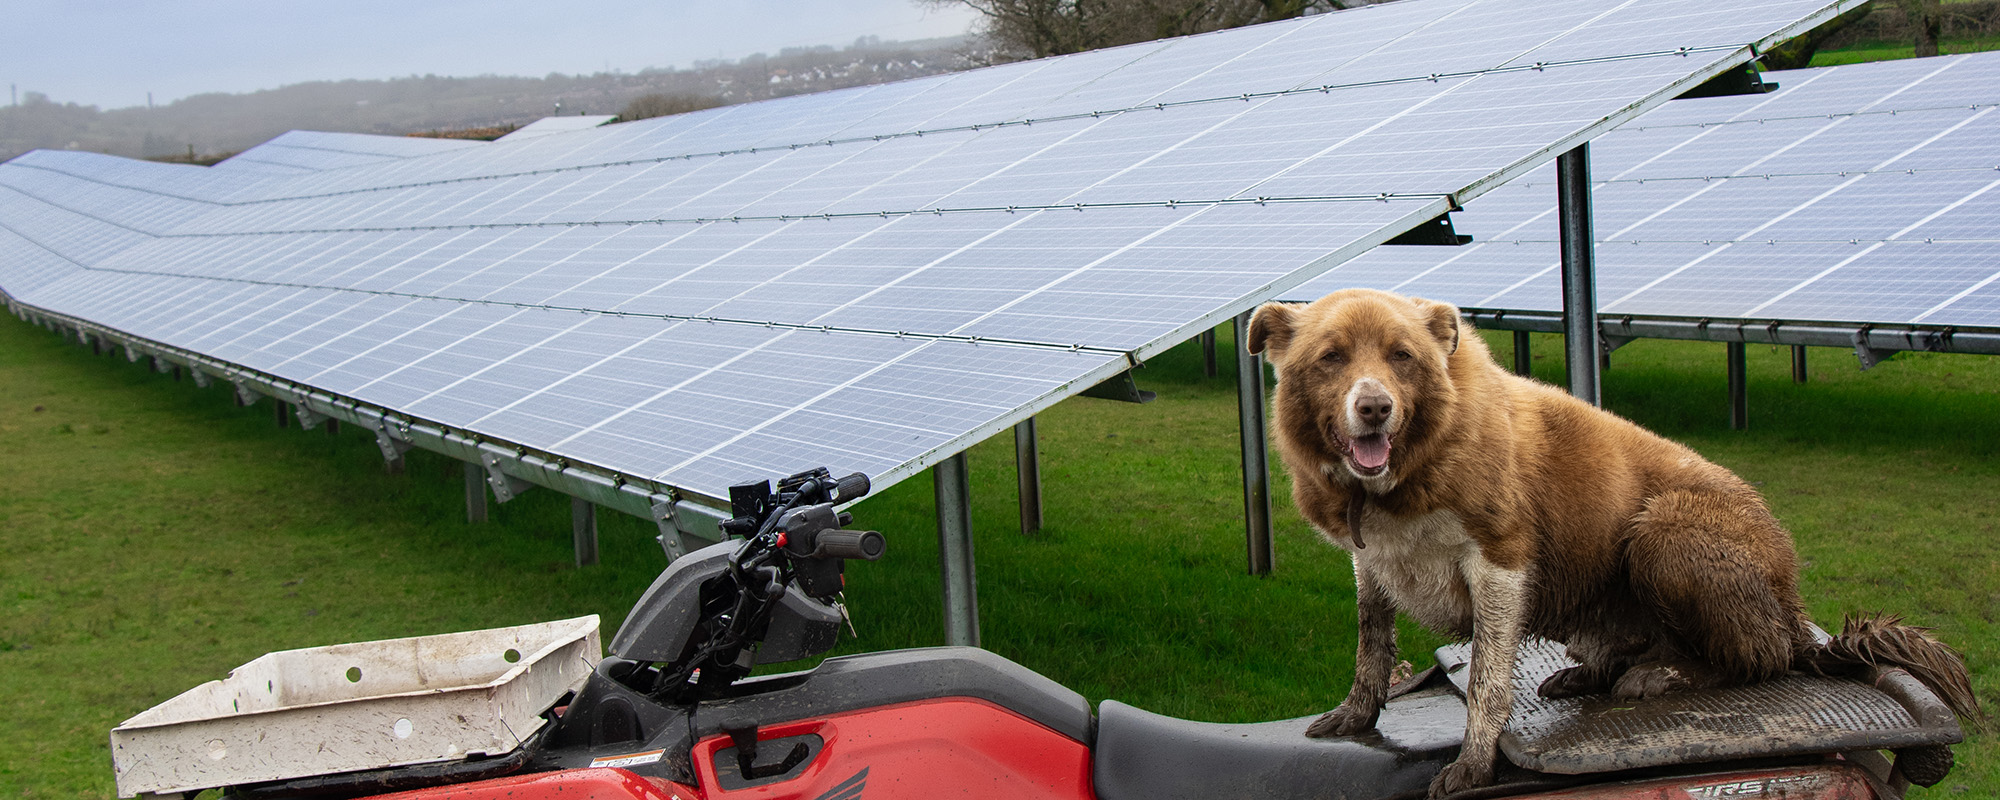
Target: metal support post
{"x": 1739, "y": 400}
{"x": 1256, "y": 460}
{"x": 284, "y": 411}
{"x": 1798, "y": 363}
{"x": 583, "y": 530}
{"x": 392, "y": 448}
{"x": 1524, "y": 356}
{"x": 1581, "y": 350}
{"x": 961, "y": 583}
{"x": 332, "y": 427}
{"x": 1207, "y": 338}
{"x": 475, "y": 493}
{"x": 1028, "y": 475}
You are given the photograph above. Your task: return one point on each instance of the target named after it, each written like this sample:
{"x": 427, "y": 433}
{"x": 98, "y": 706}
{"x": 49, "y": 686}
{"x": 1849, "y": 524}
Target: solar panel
{"x": 1856, "y": 194}
{"x": 553, "y": 125}
{"x": 872, "y": 278}
{"x": 303, "y": 152}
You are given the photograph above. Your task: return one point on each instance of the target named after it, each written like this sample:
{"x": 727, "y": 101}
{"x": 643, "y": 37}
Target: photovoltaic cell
{"x": 871, "y": 278}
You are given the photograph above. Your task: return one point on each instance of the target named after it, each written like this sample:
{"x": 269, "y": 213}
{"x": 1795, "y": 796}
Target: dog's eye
{"x": 1402, "y": 355}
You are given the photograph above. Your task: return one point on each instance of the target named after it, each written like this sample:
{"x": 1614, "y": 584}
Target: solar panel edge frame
{"x": 1878, "y": 336}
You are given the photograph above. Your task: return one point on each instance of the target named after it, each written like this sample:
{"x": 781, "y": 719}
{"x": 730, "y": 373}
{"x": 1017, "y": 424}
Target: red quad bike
{"x": 672, "y": 713}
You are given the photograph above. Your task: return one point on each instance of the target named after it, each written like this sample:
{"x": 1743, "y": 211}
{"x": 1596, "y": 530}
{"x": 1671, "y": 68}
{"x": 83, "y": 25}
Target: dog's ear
{"x": 1271, "y": 329}
{"x": 1442, "y": 321}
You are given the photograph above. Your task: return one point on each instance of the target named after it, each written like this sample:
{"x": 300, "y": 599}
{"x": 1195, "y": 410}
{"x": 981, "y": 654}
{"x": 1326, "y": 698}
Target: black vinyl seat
{"x": 1145, "y": 756}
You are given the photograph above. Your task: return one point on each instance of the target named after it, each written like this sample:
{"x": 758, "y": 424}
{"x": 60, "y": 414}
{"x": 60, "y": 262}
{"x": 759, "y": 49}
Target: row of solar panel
{"x": 1867, "y": 193}
{"x": 1359, "y": 48}
{"x": 1310, "y": 145}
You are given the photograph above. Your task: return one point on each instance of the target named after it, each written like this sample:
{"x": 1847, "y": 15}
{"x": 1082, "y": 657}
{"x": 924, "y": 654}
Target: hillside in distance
{"x": 210, "y": 124}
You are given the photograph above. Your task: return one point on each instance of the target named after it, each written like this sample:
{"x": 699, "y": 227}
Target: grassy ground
{"x": 156, "y": 536}
{"x": 1890, "y": 51}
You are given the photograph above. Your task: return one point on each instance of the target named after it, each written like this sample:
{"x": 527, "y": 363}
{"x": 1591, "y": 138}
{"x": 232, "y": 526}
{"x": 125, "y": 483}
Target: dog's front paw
{"x": 1571, "y": 682}
{"x": 1346, "y": 720}
{"x": 1459, "y": 776}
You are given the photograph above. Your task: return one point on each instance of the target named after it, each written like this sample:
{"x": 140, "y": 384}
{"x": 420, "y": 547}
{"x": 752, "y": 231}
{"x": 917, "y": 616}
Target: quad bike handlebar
{"x": 774, "y": 595}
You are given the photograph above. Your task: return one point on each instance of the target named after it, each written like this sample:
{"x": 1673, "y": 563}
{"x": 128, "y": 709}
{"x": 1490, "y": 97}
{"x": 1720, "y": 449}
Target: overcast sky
{"x": 110, "y": 53}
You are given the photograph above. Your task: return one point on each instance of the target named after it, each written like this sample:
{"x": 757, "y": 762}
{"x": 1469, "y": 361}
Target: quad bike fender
{"x": 949, "y": 747}
{"x": 574, "y": 784}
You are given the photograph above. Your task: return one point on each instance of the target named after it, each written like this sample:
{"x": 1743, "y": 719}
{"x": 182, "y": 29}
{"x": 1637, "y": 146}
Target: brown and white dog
{"x": 1489, "y": 506}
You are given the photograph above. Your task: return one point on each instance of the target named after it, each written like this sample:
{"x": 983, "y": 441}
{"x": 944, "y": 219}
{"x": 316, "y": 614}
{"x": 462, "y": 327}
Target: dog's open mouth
{"x": 1369, "y": 455}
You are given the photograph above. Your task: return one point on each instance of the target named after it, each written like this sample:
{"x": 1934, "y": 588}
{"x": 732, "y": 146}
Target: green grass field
{"x": 157, "y": 536}
{"x": 1890, "y": 51}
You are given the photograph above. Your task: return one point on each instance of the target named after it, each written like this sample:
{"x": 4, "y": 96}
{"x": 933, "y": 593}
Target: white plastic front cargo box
{"x": 351, "y": 707}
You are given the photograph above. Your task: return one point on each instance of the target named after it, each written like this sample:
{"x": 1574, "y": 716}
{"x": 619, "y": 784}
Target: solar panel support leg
{"x": 1581, "y": 350}
{"x": 1028, "y": 474}
{"x": 1739, "y": 399}
{"x": 1256, "y": 459}
{"x": 1798, "y": 363}
{"x": 475, "y": 493}
{"x": 505, "y": 487}
{"x": 308, "y": 418}
{"x": 961, "y": 584}
{"x": 392, "y": 450}
{"x": 1524, "y": 356}
{"x": 668, "y": 519}
{"x": 583, "y": 530}
{"x": 283, "y": 413}
{"x": 1208, "y": 367}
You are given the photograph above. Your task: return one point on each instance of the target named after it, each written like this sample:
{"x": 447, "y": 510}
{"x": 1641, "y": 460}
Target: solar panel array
{"x": 549, "y": 125}
{"x": 301, "y": 152}
{"x": 1867, "y": 193}
{"x": 872, "y": 278}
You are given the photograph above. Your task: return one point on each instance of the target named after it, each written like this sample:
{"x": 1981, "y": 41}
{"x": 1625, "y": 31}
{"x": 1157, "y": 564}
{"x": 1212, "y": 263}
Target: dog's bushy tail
{"x": 1884, "y": 640}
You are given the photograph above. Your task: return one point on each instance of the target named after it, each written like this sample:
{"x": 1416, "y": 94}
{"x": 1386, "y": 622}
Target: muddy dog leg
{"x": 1618, "y": 633}
{"x": 1499, "y": 612}
{"x": 1374, "y": 657}
{"x": 1717, "y": 570}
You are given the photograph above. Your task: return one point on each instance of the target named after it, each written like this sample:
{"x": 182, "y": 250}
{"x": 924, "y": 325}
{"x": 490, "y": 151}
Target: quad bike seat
{"x": 1790, "y": 715}
{"x": 1546, "y": 743}
{"x": 1142, "y": 755}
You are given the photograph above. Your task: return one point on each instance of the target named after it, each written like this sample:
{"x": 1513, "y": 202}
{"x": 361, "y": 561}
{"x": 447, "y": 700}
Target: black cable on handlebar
{"x": 760, "y": 551}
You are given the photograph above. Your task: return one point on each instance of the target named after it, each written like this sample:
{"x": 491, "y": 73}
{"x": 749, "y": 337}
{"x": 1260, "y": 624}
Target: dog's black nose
{"x": 1373, "y": 409}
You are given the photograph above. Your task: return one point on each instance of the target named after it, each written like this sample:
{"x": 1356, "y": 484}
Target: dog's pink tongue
{"x": 1371, "y": 451}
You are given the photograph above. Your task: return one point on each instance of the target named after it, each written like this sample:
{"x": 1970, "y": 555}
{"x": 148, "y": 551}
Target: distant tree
{"x": 222, "y": 123}
{"x": 661, "y": 105}
{"x": 1797, "y": 52}
{"x": 1926, "y": 20}
{"x": 1021, "y": 29}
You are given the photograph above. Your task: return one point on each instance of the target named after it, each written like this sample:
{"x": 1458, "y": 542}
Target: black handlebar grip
{"x": 853, "y": 486}
{"x": 865, "y": 545}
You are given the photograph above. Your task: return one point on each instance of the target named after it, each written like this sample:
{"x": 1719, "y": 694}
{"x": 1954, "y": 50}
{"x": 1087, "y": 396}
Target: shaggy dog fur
{"x": 1489, "y": 506}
